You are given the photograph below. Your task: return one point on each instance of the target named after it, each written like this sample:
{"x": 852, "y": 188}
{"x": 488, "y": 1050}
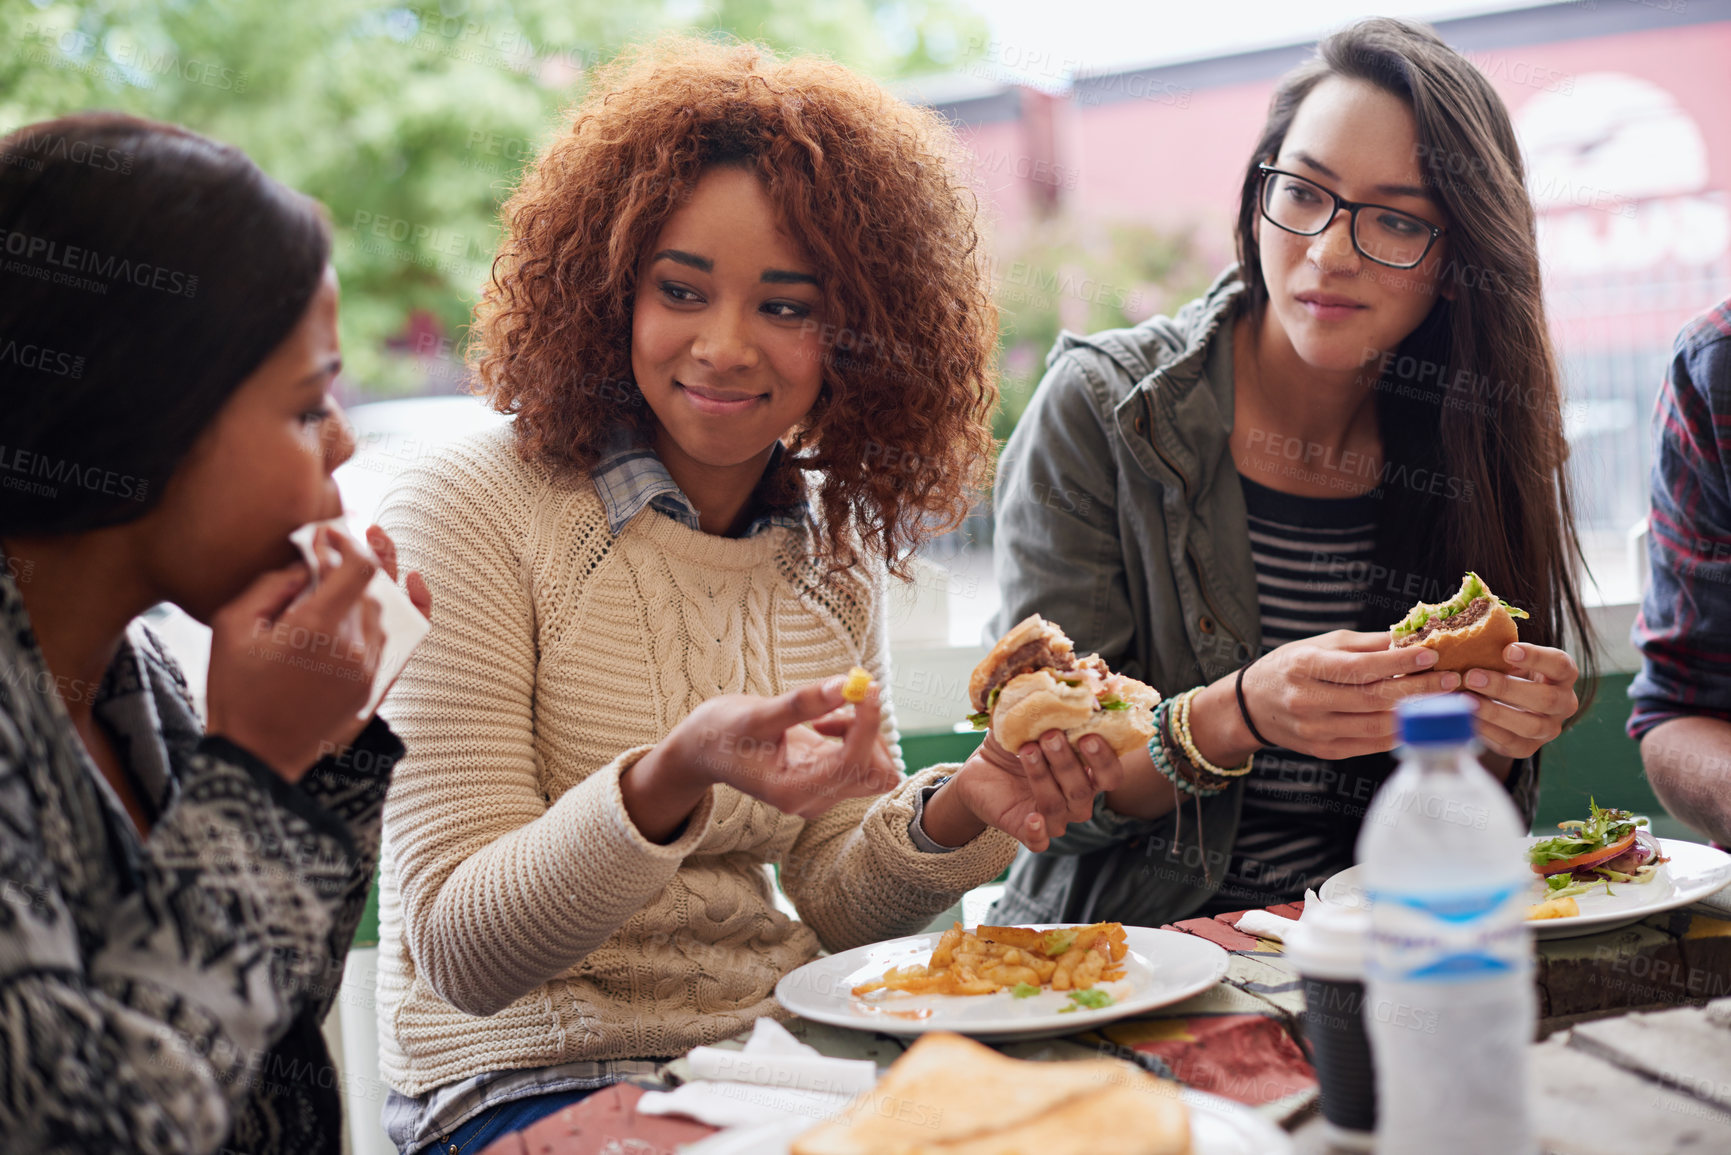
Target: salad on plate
{"x": 1610, "y": 846}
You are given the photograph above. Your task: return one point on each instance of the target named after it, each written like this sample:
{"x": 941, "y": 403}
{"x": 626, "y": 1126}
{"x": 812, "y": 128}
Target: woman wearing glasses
{"x": 1364, "y": 408}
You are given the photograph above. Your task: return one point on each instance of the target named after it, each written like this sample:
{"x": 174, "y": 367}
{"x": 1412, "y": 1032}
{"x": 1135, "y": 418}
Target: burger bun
{"x": 1032, "y": 704}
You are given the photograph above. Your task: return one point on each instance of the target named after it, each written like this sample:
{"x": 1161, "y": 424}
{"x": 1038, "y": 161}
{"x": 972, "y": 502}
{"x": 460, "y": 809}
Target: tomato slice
{"x": 1590, "y": 858}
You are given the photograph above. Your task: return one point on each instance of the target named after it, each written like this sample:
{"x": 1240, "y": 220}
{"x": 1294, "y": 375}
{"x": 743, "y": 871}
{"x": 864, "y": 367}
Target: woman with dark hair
{"x": 1363, "y": 409}
{"x": 179, "y": 896}
{"x": 747, "y": 337}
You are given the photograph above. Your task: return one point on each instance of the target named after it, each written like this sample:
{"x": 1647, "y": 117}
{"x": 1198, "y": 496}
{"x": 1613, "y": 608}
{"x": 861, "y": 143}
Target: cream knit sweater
{"x": 524, "y": 921}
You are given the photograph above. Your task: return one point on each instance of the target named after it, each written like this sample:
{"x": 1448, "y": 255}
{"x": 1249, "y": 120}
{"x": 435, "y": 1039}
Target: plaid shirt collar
{"x": 630, "y": 476}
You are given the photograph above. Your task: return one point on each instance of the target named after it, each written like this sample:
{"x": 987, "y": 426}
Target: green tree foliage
{"x": 409, "y": 122}
{"x": 1064, "y": 274}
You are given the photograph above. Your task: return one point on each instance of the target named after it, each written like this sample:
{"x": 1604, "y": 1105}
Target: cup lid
{"x": 1329, "y": 941}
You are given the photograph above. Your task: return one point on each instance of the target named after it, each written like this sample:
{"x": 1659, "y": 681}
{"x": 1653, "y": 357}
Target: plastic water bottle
{"x": 1449, "y": 1003}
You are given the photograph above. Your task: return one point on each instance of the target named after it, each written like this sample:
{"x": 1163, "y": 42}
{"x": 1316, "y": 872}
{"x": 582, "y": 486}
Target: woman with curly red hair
{"x": 746, "y": 338}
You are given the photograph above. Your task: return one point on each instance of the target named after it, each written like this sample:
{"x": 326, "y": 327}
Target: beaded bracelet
{"x": 1181, "y": 726}
{"x": 1186, "y": 776}
{"x": 1157, "y": 749}
{"x": 1207, "y": 783}
{"x": 1166, "y": 758}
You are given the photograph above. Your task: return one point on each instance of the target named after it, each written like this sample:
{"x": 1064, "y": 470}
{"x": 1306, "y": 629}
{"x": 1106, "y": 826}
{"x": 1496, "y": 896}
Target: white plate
{"x": 1162, "y": 966}
{"x": 1694, "y": 872}
{"x": 1217, "y": 1127}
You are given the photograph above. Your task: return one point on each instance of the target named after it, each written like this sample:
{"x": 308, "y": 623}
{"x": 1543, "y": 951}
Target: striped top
{"x": 1301, "y": 814}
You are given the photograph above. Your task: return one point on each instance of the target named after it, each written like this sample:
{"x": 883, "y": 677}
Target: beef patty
{"x": 1475, "y": 610}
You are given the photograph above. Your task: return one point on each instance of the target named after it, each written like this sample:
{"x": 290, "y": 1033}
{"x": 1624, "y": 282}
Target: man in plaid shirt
{"x": 1682, "y": 714}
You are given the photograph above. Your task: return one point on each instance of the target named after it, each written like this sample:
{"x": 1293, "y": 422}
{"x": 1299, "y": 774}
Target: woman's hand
{"x": 1031, "y": 795}
{"x": 1522, "y": 710}
{"x": 288, "y": 677}
{"x": 288, "y": 674}
{"x": 1331, "y": 696}
{"x": 825, "y": 738}
{"x": 419, "y": 596}
{"x": 759, "y": 747}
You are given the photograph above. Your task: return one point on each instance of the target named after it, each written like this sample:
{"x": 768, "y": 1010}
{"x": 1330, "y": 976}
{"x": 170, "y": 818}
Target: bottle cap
{"x": 1437, "y": 720}
{"x": 1329, "y": 942}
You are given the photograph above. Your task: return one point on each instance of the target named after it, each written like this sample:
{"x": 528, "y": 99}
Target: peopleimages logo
{"x": 76, "y": 259}
{"x": 31, "y": 148}
{"x": 21, "y": 469}
{"x": 41, "y": 359}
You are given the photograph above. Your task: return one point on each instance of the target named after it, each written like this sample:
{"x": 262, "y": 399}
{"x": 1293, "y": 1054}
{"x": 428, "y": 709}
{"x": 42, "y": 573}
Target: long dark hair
{"x": 145, "y": 271}
{"x": 1473, "y": 395}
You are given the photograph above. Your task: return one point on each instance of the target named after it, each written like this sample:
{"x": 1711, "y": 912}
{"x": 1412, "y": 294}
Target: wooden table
{"x": 1607, "y": 1080}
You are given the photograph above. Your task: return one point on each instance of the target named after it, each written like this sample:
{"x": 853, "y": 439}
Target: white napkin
{"x": 774, "y": 1079}
{"x": 1262, "y": 924}
{"x": 403, "y": 624}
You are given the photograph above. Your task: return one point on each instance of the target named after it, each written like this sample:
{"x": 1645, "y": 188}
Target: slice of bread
{"x": 949, "y": 1095}
{"x": 1144, "y": 1117}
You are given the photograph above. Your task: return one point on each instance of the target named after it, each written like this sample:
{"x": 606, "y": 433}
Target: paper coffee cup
{"x": 1327, "y": 946}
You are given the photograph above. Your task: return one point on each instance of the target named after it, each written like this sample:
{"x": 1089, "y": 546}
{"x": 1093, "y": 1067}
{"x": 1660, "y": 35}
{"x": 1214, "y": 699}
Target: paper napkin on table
{"x": 1263, "y": 924}
{"x": 774, "y": 1079}
{"x": 403, "y": 624}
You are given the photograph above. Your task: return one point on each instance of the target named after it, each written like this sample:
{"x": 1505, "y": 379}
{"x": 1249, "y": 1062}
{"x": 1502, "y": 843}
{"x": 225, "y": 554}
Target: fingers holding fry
{"x": 859, "y": 680}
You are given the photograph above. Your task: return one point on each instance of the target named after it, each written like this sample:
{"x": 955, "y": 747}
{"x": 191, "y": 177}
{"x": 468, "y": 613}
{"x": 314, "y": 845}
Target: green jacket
{"x": 1119, "y": 515}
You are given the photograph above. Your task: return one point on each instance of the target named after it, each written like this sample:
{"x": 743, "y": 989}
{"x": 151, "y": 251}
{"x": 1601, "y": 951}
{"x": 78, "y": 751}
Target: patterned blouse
{"x": 165, "y": 994}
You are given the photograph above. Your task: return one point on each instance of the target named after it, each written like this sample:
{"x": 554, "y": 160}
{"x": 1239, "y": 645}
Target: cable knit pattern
{"x": 515, "y": 886}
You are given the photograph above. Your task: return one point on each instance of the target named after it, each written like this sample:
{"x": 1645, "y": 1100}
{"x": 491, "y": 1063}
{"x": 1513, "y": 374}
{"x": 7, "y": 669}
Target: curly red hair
{"x": 900, "y": 435}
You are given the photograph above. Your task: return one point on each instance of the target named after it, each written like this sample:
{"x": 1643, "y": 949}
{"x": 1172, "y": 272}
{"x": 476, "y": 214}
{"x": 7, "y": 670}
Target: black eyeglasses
{"x": 1384, "y": 235}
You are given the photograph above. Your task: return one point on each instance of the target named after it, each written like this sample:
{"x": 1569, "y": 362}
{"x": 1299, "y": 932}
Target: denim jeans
{"x": 472, "y": 1137}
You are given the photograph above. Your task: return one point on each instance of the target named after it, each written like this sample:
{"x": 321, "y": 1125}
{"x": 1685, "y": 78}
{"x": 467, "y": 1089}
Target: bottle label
{"x": 1452, "y": 908}
{"x": 1460, "y": 936}
{"x": 1463, "y": 966}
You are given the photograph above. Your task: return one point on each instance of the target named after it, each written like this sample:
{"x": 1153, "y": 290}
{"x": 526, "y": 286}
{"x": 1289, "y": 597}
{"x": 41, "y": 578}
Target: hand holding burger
{"x": 1033, "y": 682}
{"x": 1527, "y": 691}
{"x": 1057, "y": 724}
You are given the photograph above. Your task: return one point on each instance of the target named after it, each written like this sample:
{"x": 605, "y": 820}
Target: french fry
{"x": 1089, "y": 970}
{"x": 1020, "y": 937}
{"x": 1554, "y": 908}
{"x": 946, "y": 948}
{"x": 859, "y": 680}
{"x": 1064, "y": 978}
{"x": 1008, "y": 975}
{"x": 993, "y": 958}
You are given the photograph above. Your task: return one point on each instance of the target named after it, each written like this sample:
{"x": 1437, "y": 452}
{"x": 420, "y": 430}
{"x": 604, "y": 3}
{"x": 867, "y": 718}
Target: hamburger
{"x": 1032, "y": 681}
{"x": 1468, "y": 632}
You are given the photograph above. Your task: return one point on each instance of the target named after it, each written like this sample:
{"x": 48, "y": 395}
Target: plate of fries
{"x": 1004, "y": 982}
